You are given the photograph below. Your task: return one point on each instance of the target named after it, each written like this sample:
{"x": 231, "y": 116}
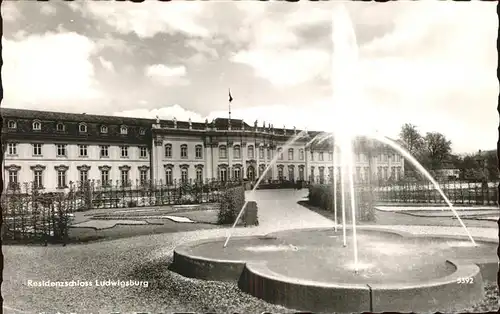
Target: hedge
{"x": 321, "y": 195}
{"x": 231, "y": 202}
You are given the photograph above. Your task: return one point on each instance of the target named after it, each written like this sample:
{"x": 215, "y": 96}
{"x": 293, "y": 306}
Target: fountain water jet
{"x": 252, "y": 192}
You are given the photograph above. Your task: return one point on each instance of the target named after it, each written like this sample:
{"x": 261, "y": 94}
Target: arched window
{"x": 37, "y": 125}
{"x": 237, "y": 152}
{"x": 184, "y": 175}
{"x": 12, "y": 124}
{"x": 104, "y": 129}
{"x": 168, "y": 150}
{"x": 142, "y": 131}
{"x": 82, "y": 127}
{"x": 301, "y": 154}
{"x": 280, "y": 153}
{"x": 222, "y": 174}
{"x": 168, "y": 176}
{"x": 123, "y": 130}
{"x": 184, "y": 151}
{"x": 290, "y": 154}
{"x": 199, "y": 175}
{"x": 222, "y": 152}
{"x": 60, "y": 127}
{"x": 250, "y": 152}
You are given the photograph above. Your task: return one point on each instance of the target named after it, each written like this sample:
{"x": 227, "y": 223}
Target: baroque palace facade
{"x": 51, "y": 149}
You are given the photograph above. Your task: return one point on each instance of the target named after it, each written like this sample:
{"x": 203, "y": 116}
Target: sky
{"x": 431, "y": 64}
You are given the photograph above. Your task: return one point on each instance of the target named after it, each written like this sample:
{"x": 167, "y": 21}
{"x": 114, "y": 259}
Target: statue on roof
{"x": 255, "y": 124}
{"x": 157, "y": 120}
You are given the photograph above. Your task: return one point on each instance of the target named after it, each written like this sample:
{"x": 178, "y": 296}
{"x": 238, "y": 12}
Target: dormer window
{"x": 12, "y": 124}
{"x": 82, "y": 127}
{"x": 142, "y": 131}
{"x": 37, "y": 125}
{"x": 123, "y": 129}
{"x": 60, "y": 127}
{"x": 104, "y": 129}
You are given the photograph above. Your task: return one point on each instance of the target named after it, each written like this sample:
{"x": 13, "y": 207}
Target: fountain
{"x": 307, "y": 269}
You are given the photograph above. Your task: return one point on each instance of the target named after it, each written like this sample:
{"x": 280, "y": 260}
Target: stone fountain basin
{"x": 310, "y": 270}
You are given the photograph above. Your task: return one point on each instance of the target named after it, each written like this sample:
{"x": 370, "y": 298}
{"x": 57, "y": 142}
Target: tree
{"x": 411, "y": 139}
{"x": 437, "y": 149}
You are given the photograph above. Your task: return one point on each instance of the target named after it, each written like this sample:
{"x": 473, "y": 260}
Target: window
{"x": 124, "y": 151}
{"x": 237, "y": 173}
{"x": 61, "y": 179}
{"x": 386, "y": 172}
{"x": 184, "y": 175}
{"x": 379, "y": 172}
{"x": 12, "y": 148}
{"x": 269, "y": 154}
{"x": 290, "y": 154}
{"x": 142, "y": 131}
{"x": 123, "y": 130}
{"x": 199, "y": 175}
{"x": 198, "y": 151}
{"x": 301, "y": 174}
{"x": 358, "y": 174}
{"x": 321, "y": 175}
{"x": 393, "y": 173}
{"x": 82, "y": 149}
{"x": 124, "y": 177}
{"x": 168, "y": 150}
{"x": 312, "y": 156}
{"x": 291, "y": 173}
{"x": 397, "y": 157}
{"x": 312, "y": 175}
{"x": 321, "y": 156}
{"x": 301, "y": 154}
{"x": 237, "y": 152}
{"x": 262, "y": 168}
{"x": 222, "y": 174}
{"x": 143, "y": 152}
{"x": 280, "y": 173}
{"x": 82, "y": 127}
{"x": 60, "y": 127}
{"x": 330, "y": 156}
{"x": 37, "y": 126}
{"x": 280, "y": 153}
{"x": 38, "y": 179}
{"x": 104, "y": 129}
{"x": 13, "y": 179}
{"x": 168, "y": 176}
{"x": 105, "y": 177}
{"x": 12, "y": 124}
{"x": 222, "y": 152}
{"x": 143, "y": 176}
{"x": 330, "y": 173}
{"x": 261, "y": 152}
{"x": 367, "y": 173}
{"x": 358, "y": 157}
{"x": 104, "y": 151}
{"x": 61, "y": 150}
{"x": 250, "y": 152}
{"x": 84, "y": 176}
{"x": 37, "y": 149}
{"x": 384, "y": 157}
{"x": 184, "y": 151}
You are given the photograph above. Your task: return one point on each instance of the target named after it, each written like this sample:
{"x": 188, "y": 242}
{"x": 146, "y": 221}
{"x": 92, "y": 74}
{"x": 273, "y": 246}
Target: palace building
{"x": 51, "y": 149}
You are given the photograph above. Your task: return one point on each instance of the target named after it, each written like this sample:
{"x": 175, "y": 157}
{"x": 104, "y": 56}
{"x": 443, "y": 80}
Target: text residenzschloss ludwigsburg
{"x": 86, "y": 283}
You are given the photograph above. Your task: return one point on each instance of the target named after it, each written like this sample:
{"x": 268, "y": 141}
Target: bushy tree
{"x": 411, "y": 139}
{"x": 437, "y": 150}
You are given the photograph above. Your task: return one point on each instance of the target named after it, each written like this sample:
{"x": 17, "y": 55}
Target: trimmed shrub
{"x": 231, "y": 202}
{"x": 321, "y": 195}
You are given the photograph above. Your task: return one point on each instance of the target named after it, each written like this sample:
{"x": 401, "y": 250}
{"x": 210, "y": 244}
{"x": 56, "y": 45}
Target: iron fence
{"x": 457, "y": 192}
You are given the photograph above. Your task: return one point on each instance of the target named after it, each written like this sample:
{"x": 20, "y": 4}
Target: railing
{"x": 458, "y": 192}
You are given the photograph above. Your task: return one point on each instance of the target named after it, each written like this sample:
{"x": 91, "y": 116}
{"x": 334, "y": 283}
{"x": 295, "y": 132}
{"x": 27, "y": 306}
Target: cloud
{"x": 286, "y": 67}
{"x": 10, "y": 13}
{"x": 166, "y": 75}
{"x": 108, "y": 65}
{"x": 44, "y": 68}
{"x": 149, "y": 18}
{"x": 48, "y": 9}
{"x": 166, "y": 113}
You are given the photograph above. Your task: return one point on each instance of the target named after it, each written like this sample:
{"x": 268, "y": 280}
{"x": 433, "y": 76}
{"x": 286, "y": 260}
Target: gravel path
{"x": 145, "y": 258}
